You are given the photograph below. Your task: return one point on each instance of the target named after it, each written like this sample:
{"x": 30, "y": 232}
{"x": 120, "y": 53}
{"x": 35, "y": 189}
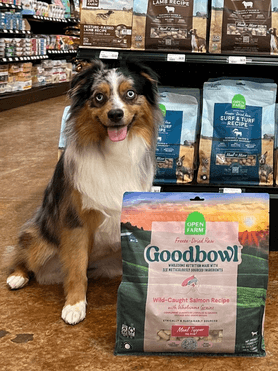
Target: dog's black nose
{"x": 115, "y": 115}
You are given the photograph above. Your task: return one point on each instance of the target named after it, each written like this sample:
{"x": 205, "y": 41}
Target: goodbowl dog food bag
{"x": 176, "y": 144}
{"x": 237, "y": 132}
{"x": 195, "y": 274}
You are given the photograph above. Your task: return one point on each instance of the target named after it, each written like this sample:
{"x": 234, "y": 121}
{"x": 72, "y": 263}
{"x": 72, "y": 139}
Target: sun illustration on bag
{"x": 249, "y": 221}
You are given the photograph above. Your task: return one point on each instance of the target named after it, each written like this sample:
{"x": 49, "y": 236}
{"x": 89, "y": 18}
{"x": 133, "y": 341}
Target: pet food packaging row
{"x": 145, "y": 24}
{"x": 232, "y": 143}
{"x": 232, "y": 27}
{"x": 195, "y": 274}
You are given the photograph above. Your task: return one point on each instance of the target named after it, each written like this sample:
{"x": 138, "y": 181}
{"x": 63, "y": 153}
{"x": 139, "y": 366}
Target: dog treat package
{"x": 179, "y": 25}
{"x": 237, "y": 132}
{"x": 176, "y": 144}
{"x": 195, "y": 274}
{"x": 106, "y": 24}
{"x": 247, "y": 27}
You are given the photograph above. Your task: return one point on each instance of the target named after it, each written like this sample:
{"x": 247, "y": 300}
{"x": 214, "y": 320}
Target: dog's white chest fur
{"x": 102, "y": 175}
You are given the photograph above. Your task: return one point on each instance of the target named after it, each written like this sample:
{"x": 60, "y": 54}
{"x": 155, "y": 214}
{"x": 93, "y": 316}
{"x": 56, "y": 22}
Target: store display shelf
{"x": 91, "y": 53}
{"x": 53, "y": 52}
{"x": 4, "y": 6}
{"x": 14, "y": 33}
{"x": 32, "y": 58}
{"x": 203, "y": 188}
{"x": 36, "y": 94}
{"x": 28, "y": 58}
{"x": 40, "y": 18}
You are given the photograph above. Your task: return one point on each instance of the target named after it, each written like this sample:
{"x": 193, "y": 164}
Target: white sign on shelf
{"x": 107, "y": 54}
{"x": 237, "y": 60}
{"x": 175, "y": 57}
{"x": 232, "y": 190}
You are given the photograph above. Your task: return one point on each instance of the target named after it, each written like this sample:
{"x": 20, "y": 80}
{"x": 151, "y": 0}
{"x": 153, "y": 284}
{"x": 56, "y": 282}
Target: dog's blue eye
{"x": 130, "y": 94}
{"x": 99, "y": 97}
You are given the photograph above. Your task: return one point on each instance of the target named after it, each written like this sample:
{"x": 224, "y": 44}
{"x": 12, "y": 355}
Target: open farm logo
{"x": 195, "y": 224}
{"x": 163, "y": 109}
{"x": 239, "y": 101}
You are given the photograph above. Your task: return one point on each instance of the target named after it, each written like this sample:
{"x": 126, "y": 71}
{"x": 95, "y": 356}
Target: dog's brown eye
{"x": 130, "y": 94}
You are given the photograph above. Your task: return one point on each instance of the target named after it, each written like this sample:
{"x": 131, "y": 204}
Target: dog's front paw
{"x": 73, "y": 314}
{"x": 17, "y": 282}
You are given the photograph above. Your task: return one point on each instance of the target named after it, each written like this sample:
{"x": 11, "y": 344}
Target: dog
{"x": 110, "y": 149}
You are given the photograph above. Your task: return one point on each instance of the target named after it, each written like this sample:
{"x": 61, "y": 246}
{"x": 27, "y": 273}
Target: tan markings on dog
{"x": 74, "y": 259}
{"x": 21, "y": 271}
{"x": 148, "y": 77}
{"x": 75, "y": 249}
{"x": 87, "y": 127}
{"x": 102, "y": 112}
{"x": 34, "y": 252}
{"x": 103, "y": 88}
{"x": 39, "y": 253}
{"x": 124, "y": 87}
{"x": 143, "y": 124}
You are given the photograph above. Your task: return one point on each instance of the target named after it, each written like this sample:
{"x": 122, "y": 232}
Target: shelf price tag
{"x": 106, "y": 54}
{"x": 175, "y": 57}
{"x": 230, "y": 190}
{"x": 237, "y": 60}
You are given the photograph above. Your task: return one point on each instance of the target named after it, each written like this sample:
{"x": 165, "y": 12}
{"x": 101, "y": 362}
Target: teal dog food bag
{"x": 237, "y": 132}
{"x": 195, "y": 274}
{"x": 177, "y": 137}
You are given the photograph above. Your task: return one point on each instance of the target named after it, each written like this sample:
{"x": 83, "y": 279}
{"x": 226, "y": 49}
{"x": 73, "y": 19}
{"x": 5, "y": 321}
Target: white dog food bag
{"x": 176, "y": 144}
{"x": 195, "y": 274}
{"x": 237, "y": 132}
{"x": 170, "y": 25}
{"x": 106, "y": 24}
{"x": 243, "y": 26}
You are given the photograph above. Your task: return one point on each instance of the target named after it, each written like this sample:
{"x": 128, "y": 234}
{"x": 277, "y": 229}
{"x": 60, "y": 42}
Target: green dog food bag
{"x": 195, "y": 274}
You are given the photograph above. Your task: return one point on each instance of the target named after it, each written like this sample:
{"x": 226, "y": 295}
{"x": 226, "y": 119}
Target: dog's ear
{"x": 81, "y": 84}
{"x": 149, "y": 74}
{"x": 148, "y": 85}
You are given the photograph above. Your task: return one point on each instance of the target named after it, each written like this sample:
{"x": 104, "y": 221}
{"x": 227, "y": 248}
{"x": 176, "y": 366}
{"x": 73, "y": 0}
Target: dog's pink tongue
{"x": 117, "y": 134}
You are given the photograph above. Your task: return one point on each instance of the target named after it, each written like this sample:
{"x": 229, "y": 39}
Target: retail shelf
{"x": 31, "y": 58}
{"x": 4, "y": 6}
{"x": 14, "y": 33}
{"x": 158, "y": 56}
{"x": 57, "y": 52}
{"x": 36, "y": 94}
{"x": 203, "y": 188}
{"x": 28, "y": 58}
{"x": 40, "y": 18}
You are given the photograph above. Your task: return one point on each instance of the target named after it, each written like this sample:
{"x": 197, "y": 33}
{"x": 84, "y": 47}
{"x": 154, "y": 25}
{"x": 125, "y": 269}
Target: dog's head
{"x": 113, "y": 103}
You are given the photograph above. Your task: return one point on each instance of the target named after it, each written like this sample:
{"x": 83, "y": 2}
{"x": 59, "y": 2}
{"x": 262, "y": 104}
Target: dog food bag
{"x": 62, "y": 139}
{"x": 195, "y": 274}
{"x": 276, "y": 146}
{"x": 170, "y": 25}
{"x": 175, "y": 151}
{"x": 247, "y": 27}
{"x": 106, "y": 24}
{"x": 237, "y": 132}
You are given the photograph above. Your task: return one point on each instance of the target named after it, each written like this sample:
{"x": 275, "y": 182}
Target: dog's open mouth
{"x": 117, "y": 133}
